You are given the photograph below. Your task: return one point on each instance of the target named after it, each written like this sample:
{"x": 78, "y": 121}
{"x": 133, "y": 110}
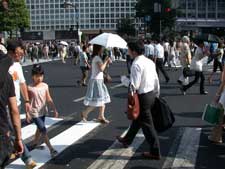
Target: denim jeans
{"x": 40, "y": 123}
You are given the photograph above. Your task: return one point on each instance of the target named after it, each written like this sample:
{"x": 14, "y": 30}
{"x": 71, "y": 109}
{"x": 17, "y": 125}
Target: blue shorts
{"x": 40, "y": 123}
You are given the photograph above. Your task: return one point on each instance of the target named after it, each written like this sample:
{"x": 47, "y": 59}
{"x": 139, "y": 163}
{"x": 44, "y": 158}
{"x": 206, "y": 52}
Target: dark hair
{"x": 37, "y": 70}
{"x": 137, "y": 46}
{"x": 96, "y": 49}
{"x": 12, "y": 44}
{"x": 199, "y": 42}
{"x": 84, "y": 48}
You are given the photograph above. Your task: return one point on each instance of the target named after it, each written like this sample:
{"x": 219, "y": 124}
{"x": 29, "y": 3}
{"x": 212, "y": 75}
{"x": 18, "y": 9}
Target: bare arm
{"x": 102, "y": 66}
{"x": 24, "y": 91}
{"x": 51, "y": 103}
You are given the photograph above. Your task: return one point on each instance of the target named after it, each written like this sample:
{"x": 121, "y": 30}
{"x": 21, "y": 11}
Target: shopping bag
{"x": 162, "y": 115}
{"x": 212, "y": 114}
{"x": 133, "y": 105}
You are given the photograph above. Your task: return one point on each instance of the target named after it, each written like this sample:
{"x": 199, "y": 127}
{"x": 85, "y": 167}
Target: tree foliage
{"x": 16, "y": 17}
{"x": 167, "y": 14}
{"x": 126, "y": 26}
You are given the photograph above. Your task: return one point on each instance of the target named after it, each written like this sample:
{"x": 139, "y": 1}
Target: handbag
{"x": 107, "y": 78}
{"x": 133, "y": 105}
{"x": 162, "y": 115}
{"x": 212, "y": 114}
{"x": 187, "y": 72}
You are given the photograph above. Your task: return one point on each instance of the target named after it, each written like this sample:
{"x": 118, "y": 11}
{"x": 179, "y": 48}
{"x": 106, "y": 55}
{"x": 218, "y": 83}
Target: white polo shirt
{"x": 143, "y": 75}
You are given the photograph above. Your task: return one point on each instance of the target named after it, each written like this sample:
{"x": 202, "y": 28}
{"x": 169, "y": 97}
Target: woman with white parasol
{"x": 97, "y": 94}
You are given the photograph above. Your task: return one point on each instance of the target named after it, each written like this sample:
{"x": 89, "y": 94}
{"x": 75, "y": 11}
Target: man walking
{"x": 145, "y": 81}
{"x": 159, "y": 59}
{"x": 7, "y": 98}
{"x": 16, "y": 52}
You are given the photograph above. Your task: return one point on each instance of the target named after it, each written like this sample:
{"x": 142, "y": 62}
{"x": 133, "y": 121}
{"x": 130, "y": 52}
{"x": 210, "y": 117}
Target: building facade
{"x": 200, "y": 15}
{"x": 51, "y": 16}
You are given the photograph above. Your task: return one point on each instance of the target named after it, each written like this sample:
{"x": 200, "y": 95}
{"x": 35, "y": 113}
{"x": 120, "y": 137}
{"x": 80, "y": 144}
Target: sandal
{"x": 83, "y": 117}
{"x": 103, "y": 121}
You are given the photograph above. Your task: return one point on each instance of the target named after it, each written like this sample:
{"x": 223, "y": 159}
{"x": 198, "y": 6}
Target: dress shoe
{"x": 151, "y": 156}
{"x": 204, "y": 93}
{"x": 183, "y": 92}
{"x": 167, "y": 80}
{"x": 179, "y": 82}
{"x": 122, "y": 141}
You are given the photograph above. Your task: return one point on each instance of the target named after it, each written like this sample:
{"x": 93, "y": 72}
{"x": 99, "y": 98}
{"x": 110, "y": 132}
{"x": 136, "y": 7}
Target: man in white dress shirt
{"x": 159, "y": 59}
{"x": 145, "y": 80}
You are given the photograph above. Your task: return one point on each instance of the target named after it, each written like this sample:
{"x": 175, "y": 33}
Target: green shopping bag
{"x": 212, "y": 114}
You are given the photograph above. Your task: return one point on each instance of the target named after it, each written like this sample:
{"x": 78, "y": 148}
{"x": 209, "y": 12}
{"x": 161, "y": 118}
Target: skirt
{"x": 97, "y": 94}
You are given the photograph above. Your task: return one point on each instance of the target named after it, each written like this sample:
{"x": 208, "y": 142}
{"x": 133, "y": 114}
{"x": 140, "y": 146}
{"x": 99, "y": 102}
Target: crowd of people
{"x": 144, "y": 61}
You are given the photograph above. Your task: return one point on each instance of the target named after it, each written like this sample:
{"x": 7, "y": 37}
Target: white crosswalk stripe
{"x": 59, "y": 142}
{"x": 115, "y": 157}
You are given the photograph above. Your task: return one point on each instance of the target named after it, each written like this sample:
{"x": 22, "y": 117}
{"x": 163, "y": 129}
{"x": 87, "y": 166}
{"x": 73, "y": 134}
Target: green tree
{"x": 126, "y": 26}
{"x": 15, "y": 18}
{"x": 167, "y": 14}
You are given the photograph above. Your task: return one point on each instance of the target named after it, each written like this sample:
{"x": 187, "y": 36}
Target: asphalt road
{"x": 185, "y": 145}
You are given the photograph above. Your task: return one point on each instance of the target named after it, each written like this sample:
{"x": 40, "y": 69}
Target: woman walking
{"x": 97, "y": 94}
{"x": 217, "y": 62}
{"x": 84, "y": 66}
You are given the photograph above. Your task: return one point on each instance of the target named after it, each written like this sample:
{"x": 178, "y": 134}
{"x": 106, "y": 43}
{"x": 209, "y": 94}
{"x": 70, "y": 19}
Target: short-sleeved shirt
{"x": 196, "y": 62}
{"x": 16, "y": 72}
{"x": 6, "y": 92}
{"x": 96, "y": 73}
{"x": 185, "y": 53}
{"x": 83, "y": 59}
{"x": 159, "y": 51}
{"x": 38, "y": 100}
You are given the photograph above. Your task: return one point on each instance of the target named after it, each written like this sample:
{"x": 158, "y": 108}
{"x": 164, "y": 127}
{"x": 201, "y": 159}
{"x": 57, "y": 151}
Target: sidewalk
{"x": 28, "y": 62}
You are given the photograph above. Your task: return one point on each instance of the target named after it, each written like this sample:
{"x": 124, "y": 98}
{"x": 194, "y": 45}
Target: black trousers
{"x": 217, "y": 64}
{"x": 160, "y": 66}
{"x": 145, "y": 122}
{"x": 197, "y": 76}
{"x": 166, "y": 56}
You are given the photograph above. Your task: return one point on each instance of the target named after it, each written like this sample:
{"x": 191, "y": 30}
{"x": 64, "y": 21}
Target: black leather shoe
{"x": 167, "y": 80}
{"x": 151, "y": 156}
{"x": 179, "y": 82}
{"x": 204, "y": 93}
{"x": 122, "y": 141}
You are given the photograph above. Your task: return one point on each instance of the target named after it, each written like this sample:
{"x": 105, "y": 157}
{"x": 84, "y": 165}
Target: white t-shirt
{"x": 166, "y": 46}
{"x": 196, "y": 62}
{"x": 83, "y": 59}
{"x": 16, "y": 72}
{"x": 159, "y": 51}
{"x": 96, "y": 73}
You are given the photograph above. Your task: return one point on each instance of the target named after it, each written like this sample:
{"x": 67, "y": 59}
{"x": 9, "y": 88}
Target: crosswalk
{"x": 115, "y": 157}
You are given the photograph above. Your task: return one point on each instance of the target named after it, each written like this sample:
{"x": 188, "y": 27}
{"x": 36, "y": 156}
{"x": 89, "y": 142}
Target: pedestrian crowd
{"x": 145, "y": 60}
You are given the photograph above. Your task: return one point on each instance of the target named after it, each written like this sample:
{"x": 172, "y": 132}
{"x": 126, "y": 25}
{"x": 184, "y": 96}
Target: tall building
{"x": 48, "y": 17}
{"x": 200, "y": 15}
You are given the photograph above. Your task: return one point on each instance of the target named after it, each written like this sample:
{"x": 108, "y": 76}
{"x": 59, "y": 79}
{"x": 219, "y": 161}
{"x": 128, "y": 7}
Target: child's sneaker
{"x": 31, "y": 164}
{"x": 53, "y": 153}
